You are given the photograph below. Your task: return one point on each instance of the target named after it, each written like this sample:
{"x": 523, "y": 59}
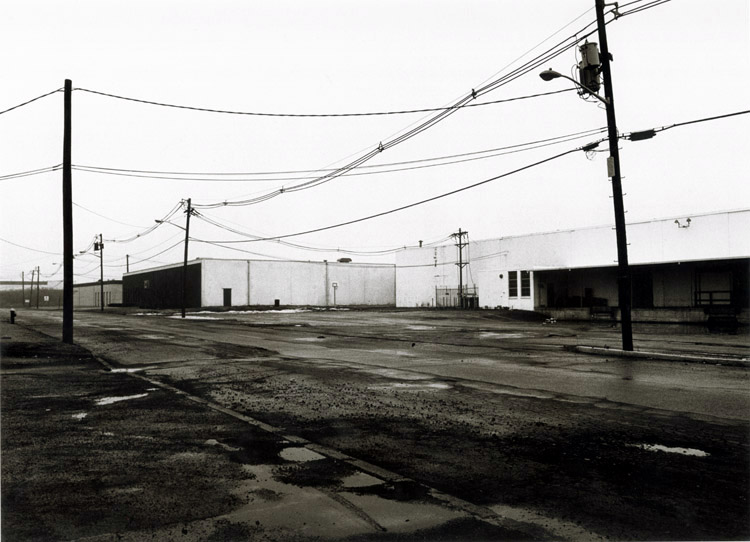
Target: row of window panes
{"x": 525, "y": 284}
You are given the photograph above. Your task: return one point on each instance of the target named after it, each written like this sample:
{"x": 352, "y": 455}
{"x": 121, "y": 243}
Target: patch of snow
{"x": 80, "y": 415}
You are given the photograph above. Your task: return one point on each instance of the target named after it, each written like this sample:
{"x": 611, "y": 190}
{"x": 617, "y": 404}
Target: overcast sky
{"x": 676, "y": 62}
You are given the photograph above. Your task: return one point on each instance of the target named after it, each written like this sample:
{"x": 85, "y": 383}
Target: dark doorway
{"x": 227, "y": 297}
{"x": 643, "y": 290}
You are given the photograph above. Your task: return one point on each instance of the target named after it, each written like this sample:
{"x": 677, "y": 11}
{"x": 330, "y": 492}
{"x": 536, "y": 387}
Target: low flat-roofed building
{"x": 227, "y": 283}
{"x": 682, "y": 269}
{"x": 89, "y": 294}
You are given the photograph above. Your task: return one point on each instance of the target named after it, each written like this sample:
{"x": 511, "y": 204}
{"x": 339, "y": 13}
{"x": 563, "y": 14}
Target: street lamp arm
{"x": 170, "y": 223}
{"x": 549, "y": 75}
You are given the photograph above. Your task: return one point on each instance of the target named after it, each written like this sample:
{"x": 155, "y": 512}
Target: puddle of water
{"x": 299, "y": 455}
{"x": 180, "y": 317}
{"x": 360, "y": 479}
{"x": 132, "y": 370}
{"x": 401, "y": 375}
{"x": 401, "y": 353}
{"x": 110, "y": 400}
{"x": 412, "y": 387}
{"x": 154, "y": 337}
{"x": 80, "y": 415}
{"x": 495, "y": 335}
{"x": 420, "y": 328}
{"x": 662, "y": 448}
{"x": 227, "y": 447}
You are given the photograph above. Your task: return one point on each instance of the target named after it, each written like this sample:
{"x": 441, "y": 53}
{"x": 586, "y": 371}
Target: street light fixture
{"x": 624, "y": 283}
{"x": 549, "y": 75}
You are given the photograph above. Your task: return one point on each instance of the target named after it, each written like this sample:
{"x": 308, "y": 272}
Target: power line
{"x": 29, "y": 248}
{"x": 150, "y": 229}
{"x": 105, "y": 217}
{"x": 644, "y": 7}
{"x": 30, "y": 172}
{"x": 446, "y": 194}
{"x": 308, "y": 247}
{"x": 647, "y": 134}
{"x": 30, "y": 101}
{"x": 315, "y": 115}
{"x": 544, "y": 57}
{"x": 187, "y": 176}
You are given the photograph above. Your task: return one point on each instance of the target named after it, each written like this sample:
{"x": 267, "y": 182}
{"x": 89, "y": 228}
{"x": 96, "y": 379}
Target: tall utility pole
{"x": 23, "y": 290}
{"x": 37, "y": 286}
{"x": 67, "y": 200}
{"x": 184, "y": 265}
{"x": 624, "y": 284}
{"x": 100, "y": 247}
{"x": 461, "y": 244}
{"x": 127, "y": 263}
{"x": 31, "y": 290}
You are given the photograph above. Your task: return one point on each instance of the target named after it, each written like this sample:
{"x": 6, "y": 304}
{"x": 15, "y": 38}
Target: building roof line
{"x": 611, "y": 225}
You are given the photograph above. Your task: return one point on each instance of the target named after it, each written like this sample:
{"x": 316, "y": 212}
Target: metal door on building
{"x": 227, "y": 297}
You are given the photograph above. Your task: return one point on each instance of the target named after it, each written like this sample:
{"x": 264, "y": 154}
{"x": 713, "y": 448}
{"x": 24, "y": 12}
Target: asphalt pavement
{"x": 95, "y": 453}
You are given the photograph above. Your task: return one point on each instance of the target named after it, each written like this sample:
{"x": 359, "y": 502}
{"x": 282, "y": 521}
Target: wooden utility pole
{"x": 37, "y": 286}
{"x": 624, "y": 283}
{"x": 184, "y": 265}
{"x": 101, "y": 271}
{"x": 460, "y": 244}
{"x": 67, "y": 200}
{"x": 23, "y": 290}
{"x": 31, "y": 290}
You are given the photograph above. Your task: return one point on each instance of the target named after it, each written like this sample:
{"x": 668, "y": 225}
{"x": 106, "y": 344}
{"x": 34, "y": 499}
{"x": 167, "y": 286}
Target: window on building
{"x": 525, "y": 283}
{"x": 146, "y": 284}
{"x": 513, "y": 284}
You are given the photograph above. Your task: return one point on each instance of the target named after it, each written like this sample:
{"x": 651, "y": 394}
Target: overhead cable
{"x": 647, "y": 134}
{"x": 317, "y": 115}
{"x": 30, "y": 101}
{"x": 544, "y": 57}
{"x": 29, "y": 248}
{"x": 28, "y": 173}
{"x": 311, "y": 248}
{"x": 150, "y": 229}
{"x": 187, "y": 176}
{"x": 446, "y": 194}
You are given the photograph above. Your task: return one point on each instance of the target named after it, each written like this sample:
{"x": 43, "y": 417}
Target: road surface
{"x": 491, "y": 407}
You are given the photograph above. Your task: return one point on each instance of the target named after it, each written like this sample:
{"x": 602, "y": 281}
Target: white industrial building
{"x": 226, "y": 283}
{"x": 682, "y": 270}
{"x": 89, "y": 294}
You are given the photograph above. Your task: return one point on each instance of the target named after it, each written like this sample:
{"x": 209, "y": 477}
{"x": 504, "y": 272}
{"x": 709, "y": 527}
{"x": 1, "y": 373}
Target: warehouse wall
{"x": 361, "y": 284}
{"x": 161, "y": 287}
{"x": 709, "y": 237}
{"x": 87, "y": 295}
{"x": 261, "y": 282}
{"x": 219, "y": 275}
